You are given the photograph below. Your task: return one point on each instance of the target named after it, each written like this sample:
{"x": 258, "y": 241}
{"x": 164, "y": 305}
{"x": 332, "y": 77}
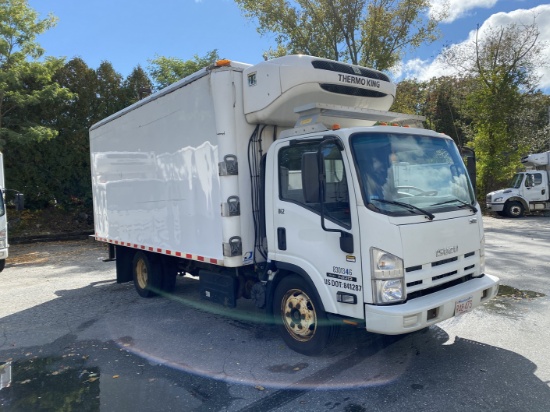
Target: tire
{"x": 2, "y": 264}
{"x": 514, "y": 209}
{"x": 300, "y": 317}
{"x": 147, "y": 273}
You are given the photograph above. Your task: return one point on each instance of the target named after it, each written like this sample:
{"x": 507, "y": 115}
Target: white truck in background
{"x": 3, "y": 218}
{"x": 3, "y": 214}
{"x": 272, "y": 182}
{"x": 529, "y": 191}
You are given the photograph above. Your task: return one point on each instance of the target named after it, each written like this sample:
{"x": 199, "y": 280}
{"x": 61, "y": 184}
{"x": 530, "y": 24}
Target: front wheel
{"x": 2, "y": 264}
{"x": 300, "y": 317}
{"x": 514, "y": 209}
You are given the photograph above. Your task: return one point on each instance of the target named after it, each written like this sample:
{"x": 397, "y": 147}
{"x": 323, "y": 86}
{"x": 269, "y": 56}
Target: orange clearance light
{"x": 223, "y": 62}
{"x": 395, "y": 124}
{"x": 335, "y": 126}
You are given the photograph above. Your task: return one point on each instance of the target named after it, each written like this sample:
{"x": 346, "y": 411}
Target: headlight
{"x": 385, "y": 265}
{"x": 389, "y": 291}
{"x": 387, "y": 277}
{"x": 497, "y": 200}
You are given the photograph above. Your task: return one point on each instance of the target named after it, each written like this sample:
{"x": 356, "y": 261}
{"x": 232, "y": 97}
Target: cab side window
{"x": 336, "y": 202}
{"x": 533, "y": 180}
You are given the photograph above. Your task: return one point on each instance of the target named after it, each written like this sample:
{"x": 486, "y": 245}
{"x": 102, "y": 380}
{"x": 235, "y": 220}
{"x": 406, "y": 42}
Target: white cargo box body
{"x": 156, "y": 176}
{"x": 155, "y": 172}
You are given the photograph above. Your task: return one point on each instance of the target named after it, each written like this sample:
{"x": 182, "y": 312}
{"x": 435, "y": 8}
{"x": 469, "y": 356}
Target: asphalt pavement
{"x": 72, "y": 338}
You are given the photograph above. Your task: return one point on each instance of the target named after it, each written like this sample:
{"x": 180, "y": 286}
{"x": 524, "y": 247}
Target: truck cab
{"x": 390, "y": 233}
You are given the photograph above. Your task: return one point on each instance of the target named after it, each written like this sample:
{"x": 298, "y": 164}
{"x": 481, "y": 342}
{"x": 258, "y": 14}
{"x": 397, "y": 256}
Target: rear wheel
{"x": 147, "y": 272}
{"x": 300, "y": 318}
{"x": 514, "y": 209}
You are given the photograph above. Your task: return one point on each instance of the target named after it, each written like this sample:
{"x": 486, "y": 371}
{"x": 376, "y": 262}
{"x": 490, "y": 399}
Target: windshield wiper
{"x": 407, "y": 206}
{"x": 462, "y": 202}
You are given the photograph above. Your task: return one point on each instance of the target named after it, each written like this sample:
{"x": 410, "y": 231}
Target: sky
{"x": 129, "y": 32}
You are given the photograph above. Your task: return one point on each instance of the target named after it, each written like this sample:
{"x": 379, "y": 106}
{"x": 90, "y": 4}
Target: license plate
{"x": 463, "y": 305}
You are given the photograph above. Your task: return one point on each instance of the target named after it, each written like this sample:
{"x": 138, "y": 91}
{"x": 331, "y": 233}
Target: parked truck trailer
{"x": 281, "y": 182}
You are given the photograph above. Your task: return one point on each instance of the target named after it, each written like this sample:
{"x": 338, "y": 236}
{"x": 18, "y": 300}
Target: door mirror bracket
{"x": 314, "y": 187}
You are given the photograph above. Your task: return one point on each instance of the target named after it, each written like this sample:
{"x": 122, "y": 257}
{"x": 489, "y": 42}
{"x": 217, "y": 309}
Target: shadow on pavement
{"x": 185, "y": 353}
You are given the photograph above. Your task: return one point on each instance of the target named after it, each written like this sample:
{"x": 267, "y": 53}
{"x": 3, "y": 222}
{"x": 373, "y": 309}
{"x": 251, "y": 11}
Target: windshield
{"x": 404, "y": 174}
{"x": 516, "y": 180}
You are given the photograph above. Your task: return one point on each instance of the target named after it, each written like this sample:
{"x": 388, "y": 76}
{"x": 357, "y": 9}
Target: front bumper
{"x": 413, "y": 315}
{"x": 495, "y": 207}
{"x": 3, "y": 254}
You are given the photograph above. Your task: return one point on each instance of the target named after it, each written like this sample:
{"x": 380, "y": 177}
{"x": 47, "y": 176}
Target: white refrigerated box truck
{"x": 280, "y": 182}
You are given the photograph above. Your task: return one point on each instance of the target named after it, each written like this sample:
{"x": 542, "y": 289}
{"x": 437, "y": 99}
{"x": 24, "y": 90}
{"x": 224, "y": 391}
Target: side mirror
{"x": 19, "y": 201}
{"x": 469, "y": 157}
{"x": 310, "y": 177}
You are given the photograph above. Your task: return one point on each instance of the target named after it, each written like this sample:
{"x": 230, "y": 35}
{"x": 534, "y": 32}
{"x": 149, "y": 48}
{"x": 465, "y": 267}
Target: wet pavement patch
{"x": 511, "y": 292}
{"x": 71, "y": 375}
{"x": 50, "y": 384}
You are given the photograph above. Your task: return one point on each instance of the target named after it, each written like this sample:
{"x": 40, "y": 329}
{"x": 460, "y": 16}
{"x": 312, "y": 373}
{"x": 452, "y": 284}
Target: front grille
{"x": 349, "y": 69}
{"x": 434, "y": 289}
{"x": 444, "y": 275}
{"x": 431, "y": 277}
{"x": 444, "y": 261}
{"x": 351, "y": 91}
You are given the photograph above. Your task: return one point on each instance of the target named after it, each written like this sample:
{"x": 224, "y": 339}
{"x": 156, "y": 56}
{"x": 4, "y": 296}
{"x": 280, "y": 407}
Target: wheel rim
{"x": 141, "y": 274}
{"x": 298, "y": 314}
{"x": 515, "y": 210}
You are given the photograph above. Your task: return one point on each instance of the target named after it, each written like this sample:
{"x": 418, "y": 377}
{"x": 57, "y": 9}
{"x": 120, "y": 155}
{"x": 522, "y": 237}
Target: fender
{"x": 518, "y": 199}
{"x": 290, "y": 268}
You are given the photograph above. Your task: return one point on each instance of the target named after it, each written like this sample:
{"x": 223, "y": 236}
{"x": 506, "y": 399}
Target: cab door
{"x": 536, "y": 187}
{"x": 300, "y": 242}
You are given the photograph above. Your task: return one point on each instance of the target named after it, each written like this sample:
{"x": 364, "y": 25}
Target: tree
{"x": 442, "y": 101}
{"x": 24, "y": 82}
{"x": 110, "y": 96}
{"x": 372, "y": 33}
{"x": 502, "y": 62}
{"x": 532, "y": 122}
{"x": 58, "y": 170}
{"x": 137, "y": 86}
{"x": 410, "y": 97}
{"x": 168, "y": 70}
